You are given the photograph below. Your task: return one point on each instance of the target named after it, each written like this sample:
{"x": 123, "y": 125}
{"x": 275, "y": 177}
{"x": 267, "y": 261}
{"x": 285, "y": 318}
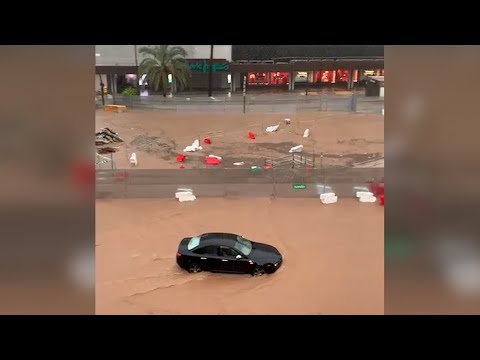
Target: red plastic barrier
{"x": 180, "y": 158}
{"x": 382, "y": 200}
{"x": 251, "y": 135}
{"x": 210, "y": 160}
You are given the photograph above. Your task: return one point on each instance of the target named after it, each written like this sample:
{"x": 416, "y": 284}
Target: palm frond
{"x": 161, "y": 60}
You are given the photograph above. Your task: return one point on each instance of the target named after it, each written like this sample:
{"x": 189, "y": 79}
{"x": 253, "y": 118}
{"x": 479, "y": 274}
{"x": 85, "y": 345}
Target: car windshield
{"x": 193, "y": 243}
{"x": 242, "y": 245}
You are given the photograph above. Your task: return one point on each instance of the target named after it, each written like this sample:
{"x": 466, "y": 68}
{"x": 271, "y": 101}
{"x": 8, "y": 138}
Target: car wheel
{"x": 258, "y": 271}
{"x": 194, "y": 268}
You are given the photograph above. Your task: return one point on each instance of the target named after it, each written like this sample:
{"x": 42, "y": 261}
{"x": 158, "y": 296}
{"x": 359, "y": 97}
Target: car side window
{"x": 227, "y": 252}
{"x": 207, "y": 250}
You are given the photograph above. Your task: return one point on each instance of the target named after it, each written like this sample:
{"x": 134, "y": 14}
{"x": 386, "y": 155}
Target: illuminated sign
{"x": 203, "y": 66}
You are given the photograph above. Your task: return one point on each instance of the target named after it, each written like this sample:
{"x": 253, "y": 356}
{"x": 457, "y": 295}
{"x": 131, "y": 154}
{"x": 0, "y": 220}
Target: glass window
{"x": 226, "y": 251}
{"x": 207, "y": 250}
{"x": 341, "y": 76}
{"x": 258, "y": 78}
{"x": 278, "y": 78}
{"x": 193, "y": 243}
{"x": 325, "y": 76}
{"x": 243, "y": 245}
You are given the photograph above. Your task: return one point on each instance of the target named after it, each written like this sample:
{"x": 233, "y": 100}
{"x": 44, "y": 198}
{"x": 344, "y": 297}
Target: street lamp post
{"x": 210, "y": 72}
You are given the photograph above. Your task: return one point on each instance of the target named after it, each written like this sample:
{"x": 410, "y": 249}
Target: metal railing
{"x": 274, "y": 103}
{"x": 227, "y": 182}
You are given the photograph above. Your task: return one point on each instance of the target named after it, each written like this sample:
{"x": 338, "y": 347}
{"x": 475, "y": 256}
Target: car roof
{"x": 218, "y": 238}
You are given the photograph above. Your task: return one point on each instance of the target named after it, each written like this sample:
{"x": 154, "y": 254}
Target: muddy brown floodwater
{"x": 333, "y": 257}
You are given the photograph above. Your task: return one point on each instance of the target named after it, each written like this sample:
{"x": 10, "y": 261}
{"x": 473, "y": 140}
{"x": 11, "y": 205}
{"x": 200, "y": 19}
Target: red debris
{"x": 182, "y": 167}
{"x": 207, "y": 141}
{"x": 181, "y": 158}
{"x": 377, "y": 188}
{"x": 382, "y": 200}
{"x": 211, "y": 160}
{"x": 251, "y": 135}
{"x": 267, "y": 166}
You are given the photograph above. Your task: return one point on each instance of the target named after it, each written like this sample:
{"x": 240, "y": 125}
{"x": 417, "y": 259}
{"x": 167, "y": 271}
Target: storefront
{"x": 273, "y": 78}
{"x": 329, "y": 73}
{"x": 333, "y": 73}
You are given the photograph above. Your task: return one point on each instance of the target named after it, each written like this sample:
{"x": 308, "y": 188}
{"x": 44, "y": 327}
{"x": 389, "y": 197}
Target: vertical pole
{"x": 101, "y": 89}
{"x": 210, "y": 72}
{"x": 306, "y": 89}
{"x": 244, "y": 93}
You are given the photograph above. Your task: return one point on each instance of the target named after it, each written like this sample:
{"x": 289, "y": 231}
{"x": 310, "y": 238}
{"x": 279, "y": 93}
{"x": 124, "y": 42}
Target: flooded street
{"x": 333, "y": 257}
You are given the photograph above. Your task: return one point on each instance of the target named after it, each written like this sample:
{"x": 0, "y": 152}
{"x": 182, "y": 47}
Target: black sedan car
{"x": 223, "y": 252}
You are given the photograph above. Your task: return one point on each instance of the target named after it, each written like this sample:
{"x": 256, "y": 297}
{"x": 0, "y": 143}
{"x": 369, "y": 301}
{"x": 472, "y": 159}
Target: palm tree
{"x": 160, "y": 61}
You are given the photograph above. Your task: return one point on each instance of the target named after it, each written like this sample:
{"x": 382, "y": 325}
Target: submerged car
{"x": 231, "y": 253}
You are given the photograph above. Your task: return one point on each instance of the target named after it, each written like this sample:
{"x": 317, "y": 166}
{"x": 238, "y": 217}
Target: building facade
{"x": 284, "y": 67}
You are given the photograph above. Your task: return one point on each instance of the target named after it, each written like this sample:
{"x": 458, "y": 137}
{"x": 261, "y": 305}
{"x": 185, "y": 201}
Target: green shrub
{"x": 129, "y": 91}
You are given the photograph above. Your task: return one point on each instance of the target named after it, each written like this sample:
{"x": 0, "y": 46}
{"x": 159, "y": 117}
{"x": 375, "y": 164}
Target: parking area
{"x": 334, "y": 257}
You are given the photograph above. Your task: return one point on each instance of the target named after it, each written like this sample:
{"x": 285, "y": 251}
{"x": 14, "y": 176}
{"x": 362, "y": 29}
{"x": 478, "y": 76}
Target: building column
{"x": 291, "y": 81}
{"x": 350, "y": 79}
{"x": 109, "y": 83}
{"x": 114, "y": 87}
{"x": 234, "y": 83}
{"x": 310, "y": 76}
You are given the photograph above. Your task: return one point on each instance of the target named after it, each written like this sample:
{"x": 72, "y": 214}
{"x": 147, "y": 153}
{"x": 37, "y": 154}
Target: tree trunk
{"x": 210, "y": 72}
{"x": 137, "y": 86}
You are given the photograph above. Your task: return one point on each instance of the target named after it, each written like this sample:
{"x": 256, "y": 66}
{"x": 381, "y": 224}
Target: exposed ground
{"x": 157, "y": 137}
{"x": 333, "y": 257}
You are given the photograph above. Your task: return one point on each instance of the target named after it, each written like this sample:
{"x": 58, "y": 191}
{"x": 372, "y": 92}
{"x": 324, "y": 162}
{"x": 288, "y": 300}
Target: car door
{"x": 231, "y": 262}
{"x": 208, "y": 258}
{"x": 228, "y": 259}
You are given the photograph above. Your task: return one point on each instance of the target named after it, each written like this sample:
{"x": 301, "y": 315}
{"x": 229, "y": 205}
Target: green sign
{"x": 203, "y": 66}
{"x": 298, "y": 186}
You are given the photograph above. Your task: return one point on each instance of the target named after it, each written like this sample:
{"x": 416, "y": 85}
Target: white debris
{"x": 194, "y": 147}
{"x": 185, "y": 194}
{"x": 367, "y": 199}
{"x": 287, "y": 121}
{"x": 357, "y": 189}
{"x": 272, "y": 128}
{"x": 326, "y": 195}
{"x": 187, "y": 197}
{"x": 239, "y": 163}
{"x": 306, "y": 133}
{"x": 133, "y": 159}
{"x": 179, "y": 194}
{"x": 363, "y": 193}
{"x": 329, "y": 200}
{"x": 296, "y": 149}
{"x": 215, "y": 156}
